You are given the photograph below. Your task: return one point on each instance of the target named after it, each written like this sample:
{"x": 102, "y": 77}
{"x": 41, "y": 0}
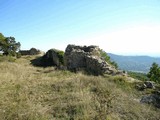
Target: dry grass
{"x": 35, "y": 93}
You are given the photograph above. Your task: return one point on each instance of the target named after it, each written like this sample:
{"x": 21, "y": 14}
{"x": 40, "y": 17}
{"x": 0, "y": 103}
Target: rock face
{"x": 53, "y": 57}
{"x": 88, "y": 58}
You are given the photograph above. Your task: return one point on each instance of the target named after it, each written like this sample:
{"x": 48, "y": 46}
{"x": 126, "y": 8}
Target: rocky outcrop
{"x": 98, "y": 66}
{"x": 146, "y": 85}
{"x": 88, "y": 58}
{"x": 152, "y": 99}
{"x": 151, "y": 96}
{"x": 53, "y": 57}
{"x": 149, "y": 84}
{"x": 32, "y": 51}
{"x": 77, "y": 58}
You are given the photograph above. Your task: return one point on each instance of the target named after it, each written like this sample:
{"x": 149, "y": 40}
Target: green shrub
{"x": 107, "y": 59}
{"x": 60, "y": 56}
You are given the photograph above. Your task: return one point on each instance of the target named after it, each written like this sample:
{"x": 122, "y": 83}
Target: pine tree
{"x": 154, "y": 73}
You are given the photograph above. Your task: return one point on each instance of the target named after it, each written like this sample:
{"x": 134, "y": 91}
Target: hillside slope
{"x": 35, "y": 93}
{"x": 134, "y": 63}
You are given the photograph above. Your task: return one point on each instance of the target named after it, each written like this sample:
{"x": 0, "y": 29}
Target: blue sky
{"x": 117, "y": 26}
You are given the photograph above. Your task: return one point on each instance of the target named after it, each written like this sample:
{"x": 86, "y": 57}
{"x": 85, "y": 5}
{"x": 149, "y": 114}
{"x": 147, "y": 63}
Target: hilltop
{"x": 30, "y": 92}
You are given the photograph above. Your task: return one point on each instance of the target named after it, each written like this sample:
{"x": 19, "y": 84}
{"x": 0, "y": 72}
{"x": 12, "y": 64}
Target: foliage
{"x": 8, "y": 45}
{"x": 154, "y": 73}
{"x": 107, "y": 59}
{"x": 114, "y": 64}
{"x": 139, "y": 76}
{"x": 60, "y": 55}
{"x": 2, "y": 36}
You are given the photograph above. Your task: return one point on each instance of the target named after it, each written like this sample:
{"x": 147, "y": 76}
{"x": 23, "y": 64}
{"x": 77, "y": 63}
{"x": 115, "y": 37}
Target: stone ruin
{"x": 87, "y": 58}
{"x": 53, "y": 57}
{"x": 78, "y": 58}
{"x": 32, "y": 51}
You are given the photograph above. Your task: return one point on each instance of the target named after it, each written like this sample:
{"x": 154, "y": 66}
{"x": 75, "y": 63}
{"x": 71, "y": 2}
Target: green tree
{"x": 154, "y": 73}
{"x": 8, "y": 45}
{"x": 1, "y": 37}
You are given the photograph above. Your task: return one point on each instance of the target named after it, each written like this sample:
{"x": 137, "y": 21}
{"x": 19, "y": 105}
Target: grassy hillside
{"x": 134, "y": 63}
{"x": 35, "y": 93}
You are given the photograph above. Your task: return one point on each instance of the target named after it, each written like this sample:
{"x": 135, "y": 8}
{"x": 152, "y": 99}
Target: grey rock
{"x": 52, "y": 58}
{"x": 88, "y": 58}
{"x": 151, "y": 99}
{"x": 148, "y": 99}
{"x": 149, "y": 84}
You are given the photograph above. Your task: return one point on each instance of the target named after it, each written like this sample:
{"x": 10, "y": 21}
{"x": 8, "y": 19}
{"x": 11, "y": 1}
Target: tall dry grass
{"x": 35, "y": 93}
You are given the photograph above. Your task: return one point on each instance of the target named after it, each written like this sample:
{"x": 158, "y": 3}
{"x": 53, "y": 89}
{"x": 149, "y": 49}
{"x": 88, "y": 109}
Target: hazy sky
{"x": 117, "y": 26}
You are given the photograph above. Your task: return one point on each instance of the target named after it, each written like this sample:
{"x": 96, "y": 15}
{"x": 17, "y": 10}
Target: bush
{"x": 107, "y": 59}
{"x": 60, "y": 56}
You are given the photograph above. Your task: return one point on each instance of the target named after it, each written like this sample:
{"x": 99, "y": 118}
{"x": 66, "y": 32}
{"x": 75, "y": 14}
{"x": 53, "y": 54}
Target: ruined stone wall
{"x": 51, "y": 58}
{"x": 32, "y": 51}
{"x": 24, "y": 52}
{"x": 89, "y": 58}
{"x": 76, "y": 58}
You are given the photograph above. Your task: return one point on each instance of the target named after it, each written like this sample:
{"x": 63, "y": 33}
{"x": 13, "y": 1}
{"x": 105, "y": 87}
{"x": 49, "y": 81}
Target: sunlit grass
{"x": 36, "y": 93}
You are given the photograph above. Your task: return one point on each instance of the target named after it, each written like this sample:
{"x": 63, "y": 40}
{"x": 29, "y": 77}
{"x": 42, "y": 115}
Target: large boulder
{"x": 53, "y": 57}
{"x": 151, "y": 99}
{"x": 88, "y": 58}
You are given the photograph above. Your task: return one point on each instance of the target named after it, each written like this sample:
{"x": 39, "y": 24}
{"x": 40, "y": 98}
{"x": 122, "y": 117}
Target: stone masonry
{"x": 88, "y": 58}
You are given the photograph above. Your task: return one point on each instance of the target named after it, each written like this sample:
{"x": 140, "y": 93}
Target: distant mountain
{"x": 134, "y": 63}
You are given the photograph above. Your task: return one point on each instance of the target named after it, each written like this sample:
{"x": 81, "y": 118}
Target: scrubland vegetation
{"x": 36, "y": 93}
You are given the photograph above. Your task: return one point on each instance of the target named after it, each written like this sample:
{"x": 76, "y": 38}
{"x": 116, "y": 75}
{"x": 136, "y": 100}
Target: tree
{"x": 154, "y": 73}
{"x": 8, "y": 45}
{"x": 2, "y": 36}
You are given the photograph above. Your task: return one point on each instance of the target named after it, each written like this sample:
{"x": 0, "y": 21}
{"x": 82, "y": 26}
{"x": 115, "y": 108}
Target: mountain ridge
{"x": 134, "y": 63}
